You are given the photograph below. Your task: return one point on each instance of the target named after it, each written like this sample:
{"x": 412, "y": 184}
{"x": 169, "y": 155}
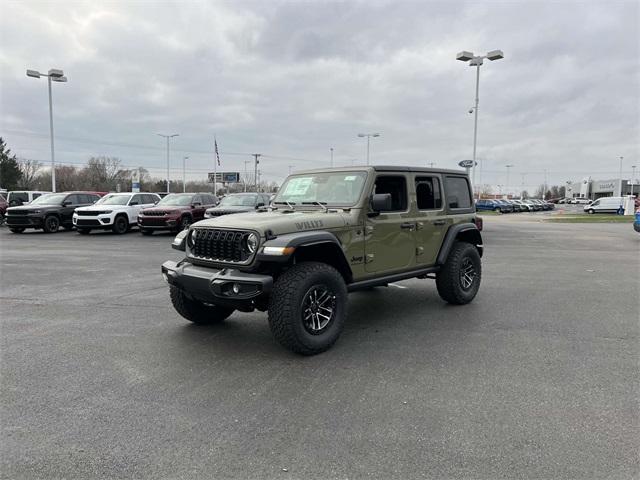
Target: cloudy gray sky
{"x": 293, "y": 79}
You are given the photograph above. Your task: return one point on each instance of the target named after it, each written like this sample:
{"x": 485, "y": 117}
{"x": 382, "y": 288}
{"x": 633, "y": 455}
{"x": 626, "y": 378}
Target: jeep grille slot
{"x": 220, "y": 245}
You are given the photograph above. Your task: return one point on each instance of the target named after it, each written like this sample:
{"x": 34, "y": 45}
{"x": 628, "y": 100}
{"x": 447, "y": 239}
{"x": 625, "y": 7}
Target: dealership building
{"x": 594, "y": 189}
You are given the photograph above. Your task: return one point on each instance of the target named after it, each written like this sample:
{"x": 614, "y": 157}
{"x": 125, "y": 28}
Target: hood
{"x": 168, "y": 208}
{"x": 283, "y": 221}
{"x": 25, "y": 208}
{"x": 94, "y": 208}
{"x": 231, "y": 208}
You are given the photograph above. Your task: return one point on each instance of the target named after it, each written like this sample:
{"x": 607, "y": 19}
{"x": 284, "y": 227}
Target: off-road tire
{"x": 17, "y": 230}
{"x": 83, "y": 231}
{"x": 144, "y": 231}
{"x": 120, "y": 225}
{"x": 51, "y": 224}
{"x": 195, "y": 311}
{"x": 448, "y": 279}
{"x": 286, "y": 307}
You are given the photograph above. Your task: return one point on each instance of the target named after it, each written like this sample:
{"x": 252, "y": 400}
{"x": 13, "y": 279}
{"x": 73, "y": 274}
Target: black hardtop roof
{"x": 384, "y": 168}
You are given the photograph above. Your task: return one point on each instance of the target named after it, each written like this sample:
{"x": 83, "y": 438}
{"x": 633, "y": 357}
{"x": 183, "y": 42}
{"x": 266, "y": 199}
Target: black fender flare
{"x": 468, "y": 231}
{"x": 307, "y": 240}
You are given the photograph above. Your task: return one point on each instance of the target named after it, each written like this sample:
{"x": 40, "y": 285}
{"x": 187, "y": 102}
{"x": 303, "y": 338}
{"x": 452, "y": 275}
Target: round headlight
{"x": 252, "y": 242}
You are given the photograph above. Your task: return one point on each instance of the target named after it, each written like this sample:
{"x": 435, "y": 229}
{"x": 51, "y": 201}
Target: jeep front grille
{"x": 219, "y": 245}
{"x": 155, "y": 213}
{"x": 93, "y": 213}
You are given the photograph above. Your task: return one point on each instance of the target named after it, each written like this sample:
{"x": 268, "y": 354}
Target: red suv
{"x": 175, "y": 212}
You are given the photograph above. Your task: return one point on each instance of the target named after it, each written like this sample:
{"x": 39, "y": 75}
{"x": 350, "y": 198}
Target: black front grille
{"x": 87, "y": 223}
{"x": 20, "y": 212}
{"x": 156, "y": 213}
{"x": 220, "y": 245}
{"x": 93, "y": 213}
{"x": 19, "y": 221}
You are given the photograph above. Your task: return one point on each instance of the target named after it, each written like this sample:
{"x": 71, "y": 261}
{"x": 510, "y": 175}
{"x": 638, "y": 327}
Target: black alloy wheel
{"x": 51, "y": 224}
{"x": 318, "y": 307}
{"x": 120, "y": 225}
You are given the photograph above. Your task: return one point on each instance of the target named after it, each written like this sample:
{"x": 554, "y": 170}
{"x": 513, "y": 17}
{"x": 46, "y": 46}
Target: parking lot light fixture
{"x": 54, "y": 75}
{"x": 477, "y": 61}
{"x": 368, "y": 135}
{"x": 168, "y": 137}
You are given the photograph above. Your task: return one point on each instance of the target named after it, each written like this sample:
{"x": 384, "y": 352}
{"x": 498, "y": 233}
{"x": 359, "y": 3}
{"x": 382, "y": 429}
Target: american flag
{"x": 215, "y": 142}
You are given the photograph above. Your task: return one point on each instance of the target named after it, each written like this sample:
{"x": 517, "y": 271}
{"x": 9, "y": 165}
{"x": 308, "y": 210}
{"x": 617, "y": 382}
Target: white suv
{"x": 115, "y": 211}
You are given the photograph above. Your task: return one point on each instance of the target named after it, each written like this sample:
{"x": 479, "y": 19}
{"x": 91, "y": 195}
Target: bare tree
{"x": 29, "y": 169}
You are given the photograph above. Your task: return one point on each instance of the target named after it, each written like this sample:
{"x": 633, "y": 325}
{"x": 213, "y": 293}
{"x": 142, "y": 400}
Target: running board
{"x": 396, "y": 277}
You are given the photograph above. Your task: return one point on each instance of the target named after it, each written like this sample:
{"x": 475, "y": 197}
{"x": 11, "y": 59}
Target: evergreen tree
{"x": 10, "y": 173}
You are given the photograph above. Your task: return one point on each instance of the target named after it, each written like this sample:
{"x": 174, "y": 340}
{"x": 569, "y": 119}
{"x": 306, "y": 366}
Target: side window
{"x": 458, "y": 195}
{"x": 209, "y": 200}
{"x": 395, "y": 185}
{"x": 72, "y": 199}
{"x": 150, "y": 199}
{"x": 36, "y": 195}
{"x": 137, "y": 199}
{"x": 197, "y": 199}
{"x": 428, "y": 193}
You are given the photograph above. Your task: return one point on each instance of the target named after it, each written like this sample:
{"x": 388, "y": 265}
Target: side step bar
{"x": 396, "y": 277}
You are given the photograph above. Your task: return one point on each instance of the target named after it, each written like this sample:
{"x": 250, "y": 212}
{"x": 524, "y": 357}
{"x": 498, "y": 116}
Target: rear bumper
{"x": 218, "y": 286}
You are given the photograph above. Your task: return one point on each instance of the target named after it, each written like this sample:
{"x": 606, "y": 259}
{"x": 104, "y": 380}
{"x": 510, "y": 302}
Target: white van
{"x": 22, "y": 197}
{"x": 605, "y": 205}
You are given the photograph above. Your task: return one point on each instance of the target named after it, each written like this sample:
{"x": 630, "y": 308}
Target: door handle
{"x": 408, "y": 226}
{"x": 439, "y": 222}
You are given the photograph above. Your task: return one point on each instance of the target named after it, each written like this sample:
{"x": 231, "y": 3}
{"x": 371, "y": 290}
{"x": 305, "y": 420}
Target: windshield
{"x": 239, "y": 201}
{"x": 50, "y": 199}
{"x": 329, "y": 188}
{"x": 176, "y": 200}
{"x": 114, "y": 200}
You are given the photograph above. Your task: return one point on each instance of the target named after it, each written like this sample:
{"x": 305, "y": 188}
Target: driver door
{"x": 390, "y": 235}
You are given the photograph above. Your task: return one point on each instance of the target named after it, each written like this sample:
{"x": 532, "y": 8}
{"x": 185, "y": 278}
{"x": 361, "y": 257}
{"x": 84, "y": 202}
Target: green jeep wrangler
{"x": 327, "y": 233}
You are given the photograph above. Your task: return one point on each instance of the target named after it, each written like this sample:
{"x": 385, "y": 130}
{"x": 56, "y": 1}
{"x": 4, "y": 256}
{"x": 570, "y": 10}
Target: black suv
{"x": 49, "y": 211}
{"x": 239, "y": 203}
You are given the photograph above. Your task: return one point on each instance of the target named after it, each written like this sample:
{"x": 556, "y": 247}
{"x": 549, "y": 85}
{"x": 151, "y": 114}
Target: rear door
{"x": 197, "y": 211}
{"x": 137, "y": 203}
{"x": 70, "y": 203}
{"x": 431, "y": 219}
{"x": 390, "y": 236}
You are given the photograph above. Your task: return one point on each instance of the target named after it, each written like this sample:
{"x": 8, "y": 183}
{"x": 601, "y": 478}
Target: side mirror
{"x": 66, "y": 203}
{"x": 133, "y": 203}
{"x": 381, "y": 202}
{"x": 196, "y": 204}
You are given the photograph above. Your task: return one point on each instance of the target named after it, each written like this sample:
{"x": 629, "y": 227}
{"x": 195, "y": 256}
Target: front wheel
{"x": 195, "y": 311}
{"x": 120, "y": 225}
{"x": 591, "y": 211}
{"x": 308, "y": 307}
{"x": 498, "y": 210}
{"x": 51, "y": 224}
{"x": 459, "y": 280}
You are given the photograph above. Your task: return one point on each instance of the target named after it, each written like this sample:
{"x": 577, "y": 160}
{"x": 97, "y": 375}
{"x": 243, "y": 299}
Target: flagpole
{"x": 215, "y": 166}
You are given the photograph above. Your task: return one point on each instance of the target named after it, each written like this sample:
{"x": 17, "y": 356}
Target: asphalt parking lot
{"x": 537, "y": 378}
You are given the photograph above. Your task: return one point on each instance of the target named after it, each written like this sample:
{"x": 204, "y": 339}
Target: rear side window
{"x": 36, "y": 195}
{"x": 457, "y": 192}
{"x": 397, "y": 187}
{"x": 428, "y": 193}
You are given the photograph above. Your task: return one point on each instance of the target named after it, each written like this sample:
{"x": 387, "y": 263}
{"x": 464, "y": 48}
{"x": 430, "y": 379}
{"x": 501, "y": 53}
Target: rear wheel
{"x": 51, "y": 224}
{"x": 120, "y": 225}
{"x": 195, "y": 311}
{"x": 459, "y": 280}
{"x": 17, "y": 230}
{"x": 308, "y": 307}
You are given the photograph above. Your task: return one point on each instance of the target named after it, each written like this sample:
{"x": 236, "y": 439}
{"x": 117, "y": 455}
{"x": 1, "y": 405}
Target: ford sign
{"x": 467, "y": 163}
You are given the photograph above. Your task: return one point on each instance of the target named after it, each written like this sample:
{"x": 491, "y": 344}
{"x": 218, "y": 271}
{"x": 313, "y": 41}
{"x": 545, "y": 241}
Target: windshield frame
{"x": 322, "y": 203}
{"x": 253, "y": 196}
{"x": 173, "y": 196}
{"x": 103, "y": 200}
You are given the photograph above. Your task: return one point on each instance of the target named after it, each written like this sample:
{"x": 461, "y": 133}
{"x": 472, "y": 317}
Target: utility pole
{"x": 184, "y": 181}
{"x": 633, "y": 176}
{"x": 507, "y": 185}
{"x": 168, "y": 137}
{"x": 522, "y": 185}
{"x": 255, "y": 168}
{"x": 246, "y": 175}
{"x": 331, "y": 159}
{"x": 431, "y": 164}
{"x": 621, "y": 158}
{"x": 544, "y": 191}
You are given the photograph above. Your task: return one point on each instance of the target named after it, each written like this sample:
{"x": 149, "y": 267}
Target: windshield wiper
{"x": 288, "y": 204}
{"x": 322, "y": 204}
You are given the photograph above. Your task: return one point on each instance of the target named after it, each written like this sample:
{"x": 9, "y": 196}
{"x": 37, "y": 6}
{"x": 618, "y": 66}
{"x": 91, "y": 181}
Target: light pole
{"x": 368, "y": 135}
{"x": 255, "y": 168}
{"x": 621, "y": 158}
{"x": 184, "y": 181}
{"x": 507, "y": 185}
{"x": 633, "y": 176}
{"x": 476, "y": 61}
{"x": 54, "y": 75}
{"x": 522, "y": 185}
{"x": 331, "y": 156}
{"x": 168, "y": 137}
{"x": 246, "y": 175}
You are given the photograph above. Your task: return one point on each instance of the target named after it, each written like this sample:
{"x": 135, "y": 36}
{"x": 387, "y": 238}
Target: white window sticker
{"x": 298, "y": 186}
{"x": 350, "y": 178}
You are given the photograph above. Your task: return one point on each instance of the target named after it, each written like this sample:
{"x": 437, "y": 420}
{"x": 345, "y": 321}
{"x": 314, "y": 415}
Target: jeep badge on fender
{"x": 327, "y": 233}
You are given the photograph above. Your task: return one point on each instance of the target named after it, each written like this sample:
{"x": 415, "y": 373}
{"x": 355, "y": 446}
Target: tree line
{"x": 100, "y": 174}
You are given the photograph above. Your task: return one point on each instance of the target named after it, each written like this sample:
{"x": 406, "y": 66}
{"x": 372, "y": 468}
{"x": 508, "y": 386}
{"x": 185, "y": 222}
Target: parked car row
{"x": 119, "y": 212}
{"x": 509, "y": 206}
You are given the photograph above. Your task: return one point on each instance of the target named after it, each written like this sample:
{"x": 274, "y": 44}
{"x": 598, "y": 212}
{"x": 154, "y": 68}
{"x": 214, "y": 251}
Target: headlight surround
{"x": 179, "y": 241}
{"x": 252, "y": 242}
{"x": 106, "y": 212}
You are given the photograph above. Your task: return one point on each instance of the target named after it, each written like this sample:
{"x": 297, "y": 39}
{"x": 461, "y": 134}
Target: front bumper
{"x": 158, "y": 223}
{"x": 24, "y": 221}
{"x": 97, "y": 221}
{"x": 218, "y": 286}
